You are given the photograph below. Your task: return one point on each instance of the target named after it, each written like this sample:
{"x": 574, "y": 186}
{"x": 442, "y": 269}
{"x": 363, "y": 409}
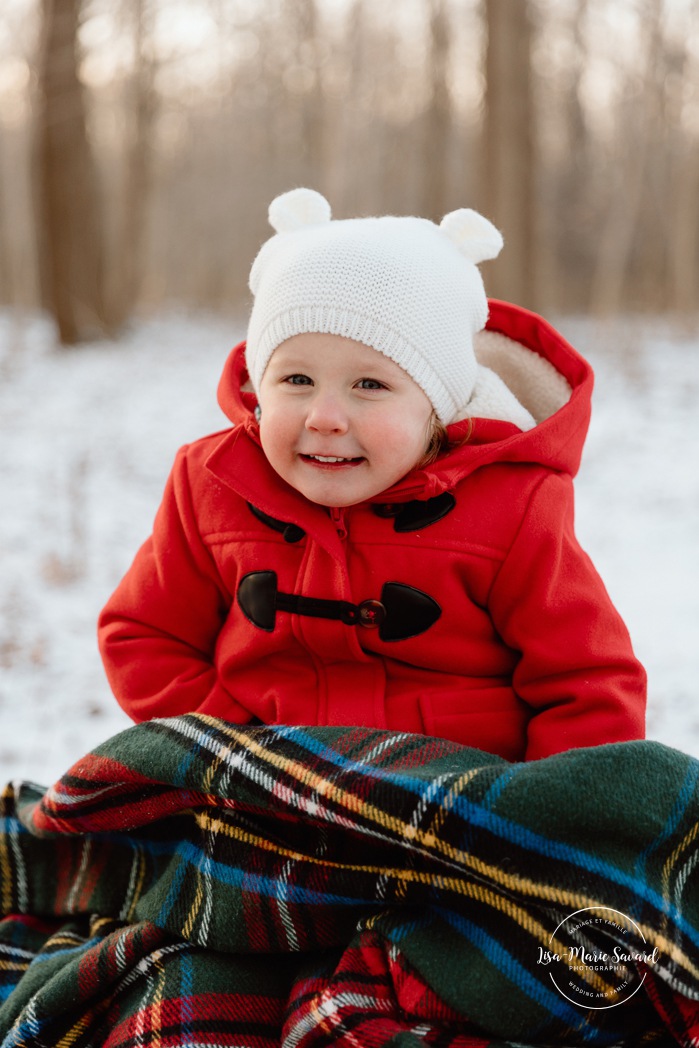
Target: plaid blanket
{"x": 195, "y": 883}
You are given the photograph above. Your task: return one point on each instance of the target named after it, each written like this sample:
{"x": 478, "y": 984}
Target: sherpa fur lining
{"x": 515, "y": 383}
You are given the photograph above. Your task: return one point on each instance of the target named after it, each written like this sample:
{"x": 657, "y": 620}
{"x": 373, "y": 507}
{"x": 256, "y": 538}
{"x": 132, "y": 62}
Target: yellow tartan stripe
{"x": 211, "y": 772}
{"x": 426, "y": 838}
{"x": 672, "y": 859}
{"x": 457, "y": 885}
{"x": 97, "y": 923}
{"x": 188, "y": 926}
{"x": 71, "y": 1036}
{"x": 89, "y": 1017}
{"x": 157, "y": 1009}
{"x": 5, "y": 859}
{"x": 442, "y": 812}
{"x": 64, "y": 939}
{"x": 351, "y": 802}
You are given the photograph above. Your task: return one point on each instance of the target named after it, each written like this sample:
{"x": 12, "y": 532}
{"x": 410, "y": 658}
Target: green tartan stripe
{"x": 232, "y": 846}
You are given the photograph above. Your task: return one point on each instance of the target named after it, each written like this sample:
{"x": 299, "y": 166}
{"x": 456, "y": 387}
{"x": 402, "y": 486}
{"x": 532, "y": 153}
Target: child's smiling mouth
{"x": 332, "y": 461}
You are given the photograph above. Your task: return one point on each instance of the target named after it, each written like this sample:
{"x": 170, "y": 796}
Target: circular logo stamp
{"x": 597, "y": 957}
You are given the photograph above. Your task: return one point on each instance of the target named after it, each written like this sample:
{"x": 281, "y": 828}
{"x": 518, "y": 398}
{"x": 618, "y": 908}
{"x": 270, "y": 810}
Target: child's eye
{"x": 298, "y": 380}
{"x": 370, "y": 383}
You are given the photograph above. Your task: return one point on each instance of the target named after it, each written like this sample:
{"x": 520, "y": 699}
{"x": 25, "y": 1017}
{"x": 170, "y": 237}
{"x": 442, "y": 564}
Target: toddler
{"x": 384, "y": 537}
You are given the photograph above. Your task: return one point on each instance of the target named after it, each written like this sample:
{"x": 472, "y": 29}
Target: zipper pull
{"x": 338, "y": 519}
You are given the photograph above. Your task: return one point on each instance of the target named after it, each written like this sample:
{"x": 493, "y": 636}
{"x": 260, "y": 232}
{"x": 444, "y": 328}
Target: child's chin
{"x": 337, "y": 496}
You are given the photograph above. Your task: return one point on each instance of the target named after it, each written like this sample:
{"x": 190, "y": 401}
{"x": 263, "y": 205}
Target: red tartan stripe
{"x": 119, "y": 811}
{"x": 371, "y": 997}
{"x": 117, "y": 954}
{"x": 94, "y": 771}
{"x": 238, "y": 1037}
{"x": 45, "y": 926}
{"x": 680, "y": 1016}
{"x": 349, "y": 1021}
{"x": 67, "y": 866}
{"x": 212, "y": 1018}
{"x": 415, "y": 997}
{"x": 109, "y": 795}
{"x": 371, "y": 975}
{"x": 100, "y": 857}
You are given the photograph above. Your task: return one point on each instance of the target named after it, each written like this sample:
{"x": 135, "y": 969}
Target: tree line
{"x": 137, "y": 166}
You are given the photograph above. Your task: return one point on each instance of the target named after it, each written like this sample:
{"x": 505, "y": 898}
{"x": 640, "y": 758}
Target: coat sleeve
{"x": 157, "y": 633}
{"x": 576, "y": 670}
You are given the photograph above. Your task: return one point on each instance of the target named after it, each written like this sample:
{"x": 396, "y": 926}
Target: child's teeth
{"x": 328, "y": 458}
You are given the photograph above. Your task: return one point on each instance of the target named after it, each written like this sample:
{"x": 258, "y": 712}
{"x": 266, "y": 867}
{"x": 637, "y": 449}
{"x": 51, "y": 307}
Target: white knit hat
{"x": 403, "y": 286}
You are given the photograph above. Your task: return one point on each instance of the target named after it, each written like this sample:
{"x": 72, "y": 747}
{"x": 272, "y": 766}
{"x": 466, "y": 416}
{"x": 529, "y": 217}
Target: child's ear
{"x": 476, "y": 238}
{"x": 298, "y": 208}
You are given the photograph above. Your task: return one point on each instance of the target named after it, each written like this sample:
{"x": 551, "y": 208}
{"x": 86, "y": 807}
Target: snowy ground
{"x": 88, "y": 436}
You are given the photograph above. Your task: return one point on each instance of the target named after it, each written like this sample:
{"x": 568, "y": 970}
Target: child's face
{"x": 339, "y": 421}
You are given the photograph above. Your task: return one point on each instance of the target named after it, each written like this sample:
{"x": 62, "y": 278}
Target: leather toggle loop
{"x": 289, "y": 532}
{"x": 402, "y": 612}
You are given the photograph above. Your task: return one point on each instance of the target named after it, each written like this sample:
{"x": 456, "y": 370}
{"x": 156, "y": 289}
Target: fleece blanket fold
{"x": 196, "y": 883}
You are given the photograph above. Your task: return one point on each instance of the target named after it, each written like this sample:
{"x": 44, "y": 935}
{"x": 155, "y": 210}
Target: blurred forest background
{"x": 142, "y": 140}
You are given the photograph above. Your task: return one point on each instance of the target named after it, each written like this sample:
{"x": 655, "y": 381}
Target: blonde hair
{"x": 439, "y": 442}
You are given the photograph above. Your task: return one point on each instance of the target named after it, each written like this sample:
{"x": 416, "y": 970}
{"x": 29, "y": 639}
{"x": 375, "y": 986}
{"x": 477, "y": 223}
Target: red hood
{"x": 556, "y": 442}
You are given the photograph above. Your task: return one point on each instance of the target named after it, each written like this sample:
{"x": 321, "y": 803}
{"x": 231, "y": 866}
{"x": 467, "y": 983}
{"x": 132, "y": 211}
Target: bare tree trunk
{"x": 346, "y": 119}
{"x": 509, "y": 150}
{"x": 565, "y": 178}
{"x": 304, "y": 17}
{"x": 684, "y": 238}
{"x": 629, "y": 180}
{"x": 684, "y": 242}
{"x": 438, "y": 117}
{"x": 6, "y": 290}
{"x": 69, "y": 209}
{"x": 128, "y": 262}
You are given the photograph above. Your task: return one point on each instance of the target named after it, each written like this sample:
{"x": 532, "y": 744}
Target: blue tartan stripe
{"x": 192, "y": 873}
{"x": 482, "y": 816}
{"x": 675, "y": 816}
{"x": 497, "y": 954}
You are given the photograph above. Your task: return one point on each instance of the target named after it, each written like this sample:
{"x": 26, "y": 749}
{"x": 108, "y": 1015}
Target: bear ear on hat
{"x": 476, "y": 238}
{"x": 298, "y": 208}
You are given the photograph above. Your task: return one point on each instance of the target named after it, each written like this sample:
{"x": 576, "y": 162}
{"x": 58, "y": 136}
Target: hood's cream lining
{"x": 514, "y": 383}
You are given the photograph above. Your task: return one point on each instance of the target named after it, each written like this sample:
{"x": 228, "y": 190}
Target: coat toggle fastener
{"x": 402, "y": 612}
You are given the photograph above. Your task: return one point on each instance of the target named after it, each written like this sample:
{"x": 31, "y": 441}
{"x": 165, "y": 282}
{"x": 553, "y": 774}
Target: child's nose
{"x": 327, "y": 415}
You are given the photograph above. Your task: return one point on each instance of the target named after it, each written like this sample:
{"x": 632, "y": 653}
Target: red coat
{"x": 486, "y": 622}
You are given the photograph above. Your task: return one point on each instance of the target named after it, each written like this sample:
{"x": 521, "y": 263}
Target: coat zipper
{"x": 338, "y": 518}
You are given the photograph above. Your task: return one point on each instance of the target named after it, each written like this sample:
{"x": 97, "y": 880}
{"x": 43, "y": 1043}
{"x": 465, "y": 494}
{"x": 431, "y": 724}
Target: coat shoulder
{"x": 498, "y": 497}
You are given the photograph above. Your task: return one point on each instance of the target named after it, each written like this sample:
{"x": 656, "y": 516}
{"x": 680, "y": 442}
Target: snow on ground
{"x": 88, "y": 436}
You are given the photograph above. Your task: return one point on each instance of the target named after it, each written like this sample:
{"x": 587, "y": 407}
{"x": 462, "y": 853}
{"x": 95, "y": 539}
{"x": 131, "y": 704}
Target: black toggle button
{"x": 371, "y": 614}
{"x": 402, "y": 612}
{"x": 289, "y": 532}
{"x": 293, "y": 533}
